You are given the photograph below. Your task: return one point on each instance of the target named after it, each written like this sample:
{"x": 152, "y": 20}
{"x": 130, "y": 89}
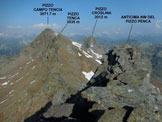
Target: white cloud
{"x": 2, "y": 34}
{"x": 36, "y": 26}
{"x": 41, "y": 25}
{"x": 71, "y": 34}
{"x": 158, "y": 24}
{"x": 27, "y": 32}
{"x": 112, "y": 32}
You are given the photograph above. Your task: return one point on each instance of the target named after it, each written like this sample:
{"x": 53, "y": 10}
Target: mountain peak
{"x": 44, "y": 38}
{"x": 92, "y": 43}
{"x": 48, "y": 32}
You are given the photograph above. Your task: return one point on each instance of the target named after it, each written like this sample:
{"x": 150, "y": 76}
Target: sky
{"x": 17, "y": 17}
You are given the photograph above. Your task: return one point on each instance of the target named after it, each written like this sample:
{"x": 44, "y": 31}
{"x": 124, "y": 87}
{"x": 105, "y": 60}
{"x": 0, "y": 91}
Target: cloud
{"x": 15, "y": 27}
{"x": 71, "y": 34}
{"x": 158, "y": 24}
{"x": 3, "y": 34}
{"x": 41, "y": 25}
{"x": 27, "y": 31}
{"x": 36, "y": 26}
{"x": 112, "y": 32}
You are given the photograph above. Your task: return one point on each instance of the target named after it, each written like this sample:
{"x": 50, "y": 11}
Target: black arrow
{"x": 94, "y": 27}
{"x": 63, "y": 28}
{"x": 47, "y": 20}
{"x": 130, "y": 33}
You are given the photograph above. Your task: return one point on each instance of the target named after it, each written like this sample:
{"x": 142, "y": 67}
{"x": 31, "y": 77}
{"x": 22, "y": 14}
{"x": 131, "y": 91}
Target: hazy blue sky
{"x": 18, "y": 18}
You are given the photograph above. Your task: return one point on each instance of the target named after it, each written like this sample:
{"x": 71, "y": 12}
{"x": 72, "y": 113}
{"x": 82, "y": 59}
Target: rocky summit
{"x": 121, "y": 87}
{"x": 119, "y": 91}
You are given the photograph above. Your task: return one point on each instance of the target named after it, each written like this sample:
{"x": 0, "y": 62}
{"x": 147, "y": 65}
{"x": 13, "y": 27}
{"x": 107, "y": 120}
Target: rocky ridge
{"x": 120, "y": 91}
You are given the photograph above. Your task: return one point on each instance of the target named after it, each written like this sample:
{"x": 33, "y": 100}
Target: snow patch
{"x": 11, "y": 92}
{"x": 158, "y": 90}
{"x": 130, "y": 90}
{"x": 77, "y": 44}
{"x": 91, "y": 45}
{"x": 32, "y": 81}
{"x": 3, "y": 101}
{"x": 79, "y": 54}
{"x": 88, "y": 75}
{"x": 31, "y": 59}
{"x": 5, "y": 83}
{"x": 87, "y": 55}
{"x": 19, "y": 79}
{"x": 99, "y": 61}
{"x": 33, "y": 67}
{"x": 96, "y": 54}
{"x": 2, "y": 78}
{"x": 28, "y": 62}
{"x": 148, "y": 75}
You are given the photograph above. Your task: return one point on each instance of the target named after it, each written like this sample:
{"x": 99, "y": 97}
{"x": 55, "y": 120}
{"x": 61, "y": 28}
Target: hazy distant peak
{"x": 92, "y": 43}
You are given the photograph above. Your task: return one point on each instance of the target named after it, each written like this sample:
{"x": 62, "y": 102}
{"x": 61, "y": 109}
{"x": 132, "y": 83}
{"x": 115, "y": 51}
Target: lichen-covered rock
{"x": 142, "y": 114}
{"x": 109, "y": 115}
{"x": 123, "y": 80}
{"x": 60, "y": 97}
{"x": 63, "y": 110}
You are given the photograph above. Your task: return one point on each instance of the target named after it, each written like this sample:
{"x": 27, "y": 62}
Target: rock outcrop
{"x": 125, "y": 77}
{"x": 120, "y": 91}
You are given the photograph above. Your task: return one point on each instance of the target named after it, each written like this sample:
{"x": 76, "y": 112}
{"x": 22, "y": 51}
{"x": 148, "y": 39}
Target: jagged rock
{"x": 121, "y": 87}
{"x": 141, "y": 114}
{"x": 124, "y": 80}
{"x": 115, "y": 115}
{"x": 120, "y": 91}
{"x": 60, "y": 97}
{"x": 58, "y": 111}
{"x": 114, "y": 96}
